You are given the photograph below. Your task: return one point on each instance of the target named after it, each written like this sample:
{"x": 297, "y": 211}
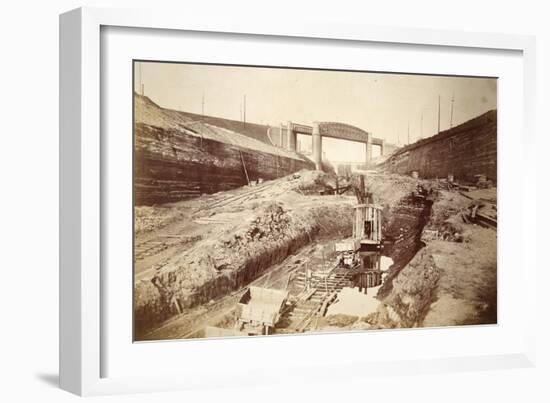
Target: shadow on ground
{"x": 49, "y": 379}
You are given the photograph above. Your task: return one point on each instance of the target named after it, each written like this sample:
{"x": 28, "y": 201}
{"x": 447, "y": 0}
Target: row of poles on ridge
{"x": 242, "y": 112}
{"x": 438, "y": 120}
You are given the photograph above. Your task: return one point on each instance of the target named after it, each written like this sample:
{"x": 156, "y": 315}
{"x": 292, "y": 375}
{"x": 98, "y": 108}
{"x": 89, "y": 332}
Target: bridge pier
{"x": 368, "y": 149}
{"x": 317, "y": 146}
{"x": 290, "y": 137}
{"x": 343, "y": 131}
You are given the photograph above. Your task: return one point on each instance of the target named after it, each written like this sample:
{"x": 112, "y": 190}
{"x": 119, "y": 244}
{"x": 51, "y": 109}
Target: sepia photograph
{"x": 281, "y": 201}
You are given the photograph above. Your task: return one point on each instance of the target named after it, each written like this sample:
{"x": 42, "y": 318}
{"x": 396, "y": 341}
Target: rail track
{"x": 315, "y": 301}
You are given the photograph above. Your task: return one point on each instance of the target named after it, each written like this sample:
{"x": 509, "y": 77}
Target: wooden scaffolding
{"x": 367, "y": 226}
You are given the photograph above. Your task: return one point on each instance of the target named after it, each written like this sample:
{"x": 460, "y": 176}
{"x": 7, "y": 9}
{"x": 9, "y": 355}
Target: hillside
{"x": 251, "y": 135}
{"x": 253, "y": 130}
{"x": 177, "y": 158}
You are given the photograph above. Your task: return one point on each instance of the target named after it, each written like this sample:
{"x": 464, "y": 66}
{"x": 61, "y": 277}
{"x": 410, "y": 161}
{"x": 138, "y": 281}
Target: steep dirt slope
{"x": 451, "y": 280}
{"x": 178, "y": 158}
{"x": 192, "y": 252}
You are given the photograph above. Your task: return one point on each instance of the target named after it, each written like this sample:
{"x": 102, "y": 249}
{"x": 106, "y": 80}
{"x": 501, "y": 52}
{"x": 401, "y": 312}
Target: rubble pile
{"x": 238, "y": 245}
{"x": 270, "y": 226}
{"x": 452, "y": 278}
{"x": 236, "y": 237}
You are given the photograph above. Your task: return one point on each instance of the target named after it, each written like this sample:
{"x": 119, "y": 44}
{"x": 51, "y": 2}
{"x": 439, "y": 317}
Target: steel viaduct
{"x": 288, "y": 136}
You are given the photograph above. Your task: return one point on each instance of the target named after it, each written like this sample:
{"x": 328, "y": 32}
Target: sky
{"x": 396, "y": 107}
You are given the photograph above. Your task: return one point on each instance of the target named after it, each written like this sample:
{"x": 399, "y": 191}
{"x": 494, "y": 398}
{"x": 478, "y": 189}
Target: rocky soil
{"x": 451, "y": 280}
{"x": 194, "y": 252}
{"x": 233, "y": 238}
{"x": 195, "y": 256}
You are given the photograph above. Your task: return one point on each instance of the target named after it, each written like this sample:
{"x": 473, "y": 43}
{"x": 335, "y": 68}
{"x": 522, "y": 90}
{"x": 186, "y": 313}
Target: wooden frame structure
{"x": 367, "y": 225}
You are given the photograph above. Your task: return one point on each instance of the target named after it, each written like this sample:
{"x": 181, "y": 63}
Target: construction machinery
{"x": 367, "y": 226}
{"x": 260, "y": 309}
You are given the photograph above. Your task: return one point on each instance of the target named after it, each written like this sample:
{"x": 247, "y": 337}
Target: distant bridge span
{"x": 328, "y": 129}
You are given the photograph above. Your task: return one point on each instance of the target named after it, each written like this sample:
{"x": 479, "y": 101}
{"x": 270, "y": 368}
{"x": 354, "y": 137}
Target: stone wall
{"x": 463, "y": 151}
{"x": 170, "y": 165}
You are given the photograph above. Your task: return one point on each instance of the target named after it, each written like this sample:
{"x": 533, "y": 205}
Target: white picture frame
{"x": 82, "y": 306}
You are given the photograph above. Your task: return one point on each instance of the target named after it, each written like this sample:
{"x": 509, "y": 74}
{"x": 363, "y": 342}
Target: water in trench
{"x": 359, "y": 300}
{"x": 403, "y": 229}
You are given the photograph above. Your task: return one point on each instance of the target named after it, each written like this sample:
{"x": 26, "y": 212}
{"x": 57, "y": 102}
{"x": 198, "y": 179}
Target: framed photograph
{"x": 242, "y": 202}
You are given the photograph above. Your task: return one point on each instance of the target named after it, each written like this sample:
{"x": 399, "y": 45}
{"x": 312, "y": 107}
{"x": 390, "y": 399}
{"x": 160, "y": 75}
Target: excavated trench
{"x": 238, "y": 260}
{"x": 381, "y": 305}
{"x": 403, "y": 232}
{"x": 258, "y": 252}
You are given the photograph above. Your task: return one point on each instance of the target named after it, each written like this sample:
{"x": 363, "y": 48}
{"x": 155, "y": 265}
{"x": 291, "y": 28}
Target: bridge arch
{"x": 336, "y": 130}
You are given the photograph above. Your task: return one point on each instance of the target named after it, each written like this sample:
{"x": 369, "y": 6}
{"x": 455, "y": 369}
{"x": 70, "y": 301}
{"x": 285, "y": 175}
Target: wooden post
{"x": 244, "y": 167}
{"x": 380, "y": 225}
{"x": 244, "y": 111}
{"x": 439, "y": 114}
{"x": 377, "y": 227}
{"x": 362, "y": 188}
{"x": 378, "y": 213}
